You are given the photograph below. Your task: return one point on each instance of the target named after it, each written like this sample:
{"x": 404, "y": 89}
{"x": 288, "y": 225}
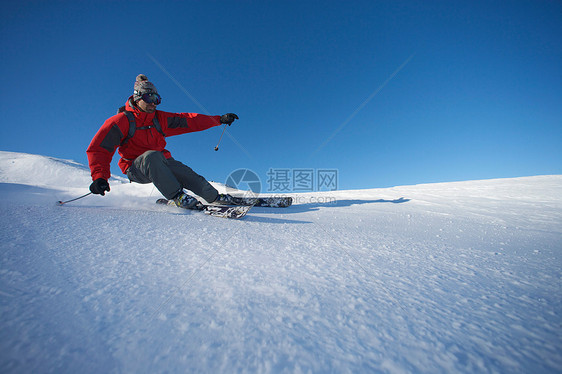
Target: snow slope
{"x": 439, "y": 278}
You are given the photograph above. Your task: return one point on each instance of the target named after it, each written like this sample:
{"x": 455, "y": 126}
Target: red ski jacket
{"x": 115, "y": 130}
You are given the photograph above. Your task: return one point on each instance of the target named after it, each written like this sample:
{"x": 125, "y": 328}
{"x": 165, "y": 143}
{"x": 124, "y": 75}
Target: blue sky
{"x": 386, "y": 92}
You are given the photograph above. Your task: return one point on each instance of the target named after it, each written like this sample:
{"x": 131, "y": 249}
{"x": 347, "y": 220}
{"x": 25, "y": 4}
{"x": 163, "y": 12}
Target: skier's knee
{"x": 153, "y": 156}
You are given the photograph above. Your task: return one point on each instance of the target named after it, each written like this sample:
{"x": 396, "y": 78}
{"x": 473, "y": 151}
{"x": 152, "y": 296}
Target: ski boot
{"x": 227, "y": 199}
{"x": 185, "y": 201}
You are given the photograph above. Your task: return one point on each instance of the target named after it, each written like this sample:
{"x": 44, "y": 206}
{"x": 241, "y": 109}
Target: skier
{"x": 144, "y": 158}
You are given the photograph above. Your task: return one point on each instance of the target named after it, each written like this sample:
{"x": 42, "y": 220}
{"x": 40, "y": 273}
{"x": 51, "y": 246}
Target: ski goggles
{"x": 151, "y": 98}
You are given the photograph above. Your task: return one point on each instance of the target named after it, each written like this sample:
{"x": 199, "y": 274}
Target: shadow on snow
{"x": 303, "y": 208}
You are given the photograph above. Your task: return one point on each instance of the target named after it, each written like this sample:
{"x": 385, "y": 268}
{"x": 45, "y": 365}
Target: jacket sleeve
{"x": 182, "y": 123}
{"x": 103, "y": 146}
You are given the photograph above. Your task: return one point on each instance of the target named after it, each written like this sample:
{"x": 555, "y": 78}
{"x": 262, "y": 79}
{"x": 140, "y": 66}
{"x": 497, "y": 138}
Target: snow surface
{"x": 438, "y": 278}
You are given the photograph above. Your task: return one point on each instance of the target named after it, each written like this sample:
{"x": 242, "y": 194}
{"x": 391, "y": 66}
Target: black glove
{"x": 99, "y": 186}
{"x": 228, "y": 118}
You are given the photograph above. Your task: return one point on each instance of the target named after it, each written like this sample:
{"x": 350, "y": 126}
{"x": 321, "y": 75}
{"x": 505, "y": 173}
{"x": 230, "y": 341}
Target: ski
{"x": 226, "y": 211}
{"x": 267, "y": 202}
{"x": 275, "y": 202}
{"x": 223, "y": 211}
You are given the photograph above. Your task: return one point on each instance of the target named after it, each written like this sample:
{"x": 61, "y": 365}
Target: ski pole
{"x": 223, "y": 130}
{"x": 64, "y": 202}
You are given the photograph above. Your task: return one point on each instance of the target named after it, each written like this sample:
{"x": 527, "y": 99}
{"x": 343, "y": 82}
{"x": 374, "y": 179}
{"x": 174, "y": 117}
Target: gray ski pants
{"x": 169, "y": 176}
